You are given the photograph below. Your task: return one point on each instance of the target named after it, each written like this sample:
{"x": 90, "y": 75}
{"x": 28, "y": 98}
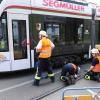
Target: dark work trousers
{"x": 93, "y": 75}
{"x": 44, "y": 65}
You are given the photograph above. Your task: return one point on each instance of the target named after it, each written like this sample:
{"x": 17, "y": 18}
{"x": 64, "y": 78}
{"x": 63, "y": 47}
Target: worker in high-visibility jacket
{"x": 44, "y": 48}
{"x": 94, "y": 70}
{"x": 69, "y": 73}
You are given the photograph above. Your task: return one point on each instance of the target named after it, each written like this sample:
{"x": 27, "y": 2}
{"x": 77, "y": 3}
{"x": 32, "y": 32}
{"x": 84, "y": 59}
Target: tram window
{"x": 53, "y": 31}
{"x": 77, "y": 31}
{"x": 3, "y": 33}
{"x": 1, "y": 1}
{"x": 80, "y": 33}
{"x": 87, "y": 31}
{"x": 19, "y": 39}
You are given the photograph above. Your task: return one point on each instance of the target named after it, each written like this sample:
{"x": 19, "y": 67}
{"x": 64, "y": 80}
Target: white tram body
{"x": 18, "y": 11}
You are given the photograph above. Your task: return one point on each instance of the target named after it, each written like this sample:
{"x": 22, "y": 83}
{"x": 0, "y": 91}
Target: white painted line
{"x": 15, "y": 86}
{"x": 92, "y": 92}
{"x": 95, "y": 95}
{"x": 19, "y": 85}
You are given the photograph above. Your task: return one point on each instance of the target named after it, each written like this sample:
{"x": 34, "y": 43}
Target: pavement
{"x": 48, "y": 88}
{"x": 21, "y": 88}
{"x": 82, "y": 83}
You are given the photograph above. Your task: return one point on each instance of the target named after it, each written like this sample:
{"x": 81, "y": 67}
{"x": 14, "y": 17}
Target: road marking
{"x": 15, "y": 86}
{"x": 19, "y": 85}
{"x": 92, "y": 92}
{"x": 95, "y": 95}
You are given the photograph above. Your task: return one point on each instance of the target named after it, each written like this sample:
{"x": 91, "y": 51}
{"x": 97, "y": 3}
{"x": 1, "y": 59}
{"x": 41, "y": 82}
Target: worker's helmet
{"x": 94, "y": 50}
{"x": 43, "y": 33}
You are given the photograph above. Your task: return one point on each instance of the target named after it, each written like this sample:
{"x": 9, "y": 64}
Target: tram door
{"x": 19, "y": 41}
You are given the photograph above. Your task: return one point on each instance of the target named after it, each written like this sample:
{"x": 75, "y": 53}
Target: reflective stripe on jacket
{"x": 96, "y": 68}
{"x": 46, "y": 48}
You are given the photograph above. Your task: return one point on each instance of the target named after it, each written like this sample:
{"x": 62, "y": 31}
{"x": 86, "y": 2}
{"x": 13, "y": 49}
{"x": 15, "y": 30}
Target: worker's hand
{"x": 75, "y": 76}
{"x": 78, "y": 69}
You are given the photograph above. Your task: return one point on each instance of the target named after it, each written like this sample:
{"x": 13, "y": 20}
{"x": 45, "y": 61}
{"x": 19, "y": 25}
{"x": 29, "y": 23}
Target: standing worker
{"x": 69, "y": 73}
{"x": 44, "y": 48}
{"x": 94, "y": 71}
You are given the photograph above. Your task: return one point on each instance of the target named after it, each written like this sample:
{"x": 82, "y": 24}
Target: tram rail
{"x": 45, "y": 94}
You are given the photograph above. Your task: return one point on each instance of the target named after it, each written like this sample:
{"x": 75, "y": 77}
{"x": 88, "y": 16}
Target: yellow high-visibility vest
{"x": 45, "y": 51}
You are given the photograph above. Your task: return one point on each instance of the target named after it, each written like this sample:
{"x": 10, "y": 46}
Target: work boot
{"x": 87, "y": 77}
{"x": 52, "y": 79}
{"x": 98, "y": 80}
{"x": 72, "y": 78}
{"x": 36, "y": 82}
{"x": 68, "y": 81}
{"x": 97, "y": 77}
{"x": 63, "y": 78}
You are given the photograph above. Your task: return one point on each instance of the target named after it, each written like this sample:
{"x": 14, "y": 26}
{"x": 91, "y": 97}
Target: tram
{"x": 67, "y": 22}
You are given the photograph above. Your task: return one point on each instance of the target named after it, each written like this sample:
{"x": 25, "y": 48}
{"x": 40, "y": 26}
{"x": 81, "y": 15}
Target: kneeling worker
{"x": 69, "y": 73}
{"x": 94, "y": 71}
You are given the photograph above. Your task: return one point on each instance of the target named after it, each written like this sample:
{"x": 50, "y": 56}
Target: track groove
{"x": 54, "y": 90}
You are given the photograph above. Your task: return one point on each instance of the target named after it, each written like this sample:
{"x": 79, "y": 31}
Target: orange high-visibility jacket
{"x": 96, "y": 68}
{"x": 46, "y": 48}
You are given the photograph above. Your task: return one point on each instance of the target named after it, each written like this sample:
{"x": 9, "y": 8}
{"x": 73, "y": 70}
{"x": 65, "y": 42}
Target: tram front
{"x": 14, "y": 36}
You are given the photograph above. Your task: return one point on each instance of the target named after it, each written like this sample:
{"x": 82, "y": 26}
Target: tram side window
{"x": 19, "y": 39}
{"x": 1, "y": 1}
{"x": 3, "y": 33}
{"x": 53, "y": 31}
{"x": 87, "y": 31}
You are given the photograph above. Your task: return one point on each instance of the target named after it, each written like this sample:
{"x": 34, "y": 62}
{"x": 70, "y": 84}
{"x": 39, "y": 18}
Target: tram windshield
{"x": 3, "y": 33}
{"x": 1, "y": 1}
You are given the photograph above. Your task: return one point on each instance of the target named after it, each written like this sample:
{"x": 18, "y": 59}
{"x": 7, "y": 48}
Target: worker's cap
{"x": 43, "y": 33}
{"x": 94, "y": 50}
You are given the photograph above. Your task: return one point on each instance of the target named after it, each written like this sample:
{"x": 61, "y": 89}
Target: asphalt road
{"x": 80, "y": 84}
{"x": 19, "y": 87}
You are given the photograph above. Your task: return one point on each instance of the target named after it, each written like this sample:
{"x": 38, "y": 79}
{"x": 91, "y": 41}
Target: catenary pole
{"x": 93, "y": 31}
